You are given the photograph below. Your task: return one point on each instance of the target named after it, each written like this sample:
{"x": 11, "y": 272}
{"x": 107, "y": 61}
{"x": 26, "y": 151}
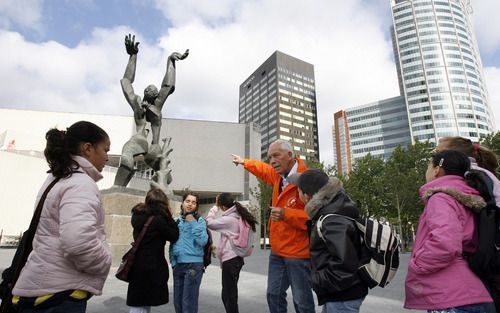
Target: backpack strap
{"x": 319, "y": 223}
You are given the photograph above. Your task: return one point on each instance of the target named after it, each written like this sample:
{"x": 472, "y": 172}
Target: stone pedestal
{"x": 118, "y": 203}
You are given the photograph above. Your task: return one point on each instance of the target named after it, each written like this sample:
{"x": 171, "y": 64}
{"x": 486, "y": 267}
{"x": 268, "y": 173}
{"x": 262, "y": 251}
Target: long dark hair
{"x": 227, "y": 200}
{"x": 156, "y": 204}
{"x": 61, "y": 145}
{"x": 454, "y": 162}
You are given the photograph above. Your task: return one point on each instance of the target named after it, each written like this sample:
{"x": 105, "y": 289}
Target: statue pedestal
{"x": 118, "y": 203}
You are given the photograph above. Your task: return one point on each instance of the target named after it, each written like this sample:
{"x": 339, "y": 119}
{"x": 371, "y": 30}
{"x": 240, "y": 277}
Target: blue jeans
{"x": 351, "y": 306}
{"x": 286, "y": 272}
{"x": 67, "y": 306}
{"x": 471, "y": 308}
{"x": 187, "y": 280}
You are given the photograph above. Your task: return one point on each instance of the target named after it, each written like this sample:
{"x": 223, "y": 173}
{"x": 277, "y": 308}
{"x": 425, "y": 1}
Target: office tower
{"x": 341, "y": 143}
{"x": 280, "y": 97}
{"x": 439, "y": 69}
{"x": 378, "y": 128}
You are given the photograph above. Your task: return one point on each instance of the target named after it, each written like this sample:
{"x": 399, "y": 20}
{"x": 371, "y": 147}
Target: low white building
{"x": 200, "y": 161}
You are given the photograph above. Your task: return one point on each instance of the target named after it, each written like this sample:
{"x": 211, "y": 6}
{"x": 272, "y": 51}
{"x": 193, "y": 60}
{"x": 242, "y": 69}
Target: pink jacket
{"x": 69, "y": 249}
{"x": 228, "y": 227}
{"x": 438, "y": 276}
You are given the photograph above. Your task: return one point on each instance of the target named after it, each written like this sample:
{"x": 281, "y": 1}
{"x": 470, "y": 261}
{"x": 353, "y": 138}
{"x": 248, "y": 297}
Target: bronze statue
{"x": 147, "y": 109}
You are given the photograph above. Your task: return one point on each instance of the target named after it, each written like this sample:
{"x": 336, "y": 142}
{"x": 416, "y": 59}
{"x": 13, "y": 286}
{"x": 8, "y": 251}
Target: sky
{"x": 69, "y": 55}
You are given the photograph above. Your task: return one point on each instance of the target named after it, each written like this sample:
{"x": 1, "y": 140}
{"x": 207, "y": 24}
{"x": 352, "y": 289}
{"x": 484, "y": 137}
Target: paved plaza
{"x": 252, "y": 290}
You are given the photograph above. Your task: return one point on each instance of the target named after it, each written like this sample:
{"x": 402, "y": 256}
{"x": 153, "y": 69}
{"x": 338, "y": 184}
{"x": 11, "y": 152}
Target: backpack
{"x": 244, "y": 243}
{"x": 207, "y": 250}
{"x": 485, "y": 262}
{"x": 379, "y": 253}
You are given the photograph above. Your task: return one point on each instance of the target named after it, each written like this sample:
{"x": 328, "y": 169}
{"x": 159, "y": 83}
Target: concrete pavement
{"x": 252, "y": 290}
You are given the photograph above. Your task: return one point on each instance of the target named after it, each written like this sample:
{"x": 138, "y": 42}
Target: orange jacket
{"x": 289, "y": 237}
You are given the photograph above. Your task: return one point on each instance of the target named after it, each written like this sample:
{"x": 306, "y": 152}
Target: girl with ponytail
{"x": 439, "y": 279}
{"x": 70, "y": 259}
{"x": 228, "y": 227}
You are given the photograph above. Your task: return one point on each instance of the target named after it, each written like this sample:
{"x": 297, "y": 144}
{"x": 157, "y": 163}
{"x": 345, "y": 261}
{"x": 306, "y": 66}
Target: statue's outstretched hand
{"x": 177, "y": 56}
{"x": 130, "y": 44}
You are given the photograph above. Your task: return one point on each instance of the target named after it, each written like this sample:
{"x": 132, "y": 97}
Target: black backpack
{"x": 207, "y": 250}
{"x": 485, "y": 262}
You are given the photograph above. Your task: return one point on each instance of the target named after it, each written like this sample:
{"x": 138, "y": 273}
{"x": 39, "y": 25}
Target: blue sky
{"x": 68, "y": 55}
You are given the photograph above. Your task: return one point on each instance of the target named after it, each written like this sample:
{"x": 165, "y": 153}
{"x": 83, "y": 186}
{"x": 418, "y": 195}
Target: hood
{"x": 456, "y": 187}
{"x": 231, "y": 211}
{"x": 88, "y": 168}
{"x": 324, "y": 196}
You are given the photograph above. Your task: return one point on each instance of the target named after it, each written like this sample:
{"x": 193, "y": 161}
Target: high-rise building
{"x": 341, "y": 143}
{"x": 280, "y": 96}
{"x": 376, "y": 128}
{"x": 439, "y": 69}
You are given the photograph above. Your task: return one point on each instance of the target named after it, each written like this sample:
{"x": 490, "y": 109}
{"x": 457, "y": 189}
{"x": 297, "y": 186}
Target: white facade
{"x": 439, "y": 69}
{"x": 201, "y": 159}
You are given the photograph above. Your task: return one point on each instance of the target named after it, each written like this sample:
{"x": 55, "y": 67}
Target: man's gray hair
{"x": 284, "y": 144}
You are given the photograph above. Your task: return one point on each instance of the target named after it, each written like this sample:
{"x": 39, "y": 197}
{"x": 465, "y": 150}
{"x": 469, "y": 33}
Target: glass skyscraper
{"x": 439, "y": 69}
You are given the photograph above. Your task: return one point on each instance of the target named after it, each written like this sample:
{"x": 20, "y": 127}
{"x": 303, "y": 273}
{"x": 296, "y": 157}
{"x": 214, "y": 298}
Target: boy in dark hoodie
{"x": 334, "y": 260}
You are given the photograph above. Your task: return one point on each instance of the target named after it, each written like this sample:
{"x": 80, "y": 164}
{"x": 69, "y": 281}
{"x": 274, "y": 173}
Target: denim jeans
{"x": 67, "y": 306}
{"x": 286, "y": 272}
{"x": 187, "y": 280}
{"x": 471, "y": 308}
{"x": 351, "y": 306}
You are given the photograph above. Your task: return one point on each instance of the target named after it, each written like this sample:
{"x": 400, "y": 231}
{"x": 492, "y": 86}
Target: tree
{"x": 492, "y": 142}
{"x": 263, "y": 194}
{"x": 362, "y": 183}
{"x": 404, "y": 173}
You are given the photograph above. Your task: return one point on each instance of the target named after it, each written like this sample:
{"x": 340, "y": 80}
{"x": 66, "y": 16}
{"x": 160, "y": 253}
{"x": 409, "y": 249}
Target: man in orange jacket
{"x": 289, "y": 263}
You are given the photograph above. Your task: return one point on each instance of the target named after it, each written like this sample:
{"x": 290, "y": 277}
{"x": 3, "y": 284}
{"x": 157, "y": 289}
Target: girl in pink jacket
{"x": 228, "y": 226}
{"x": 439, "y": 278}
{"x": 70, "y": 259}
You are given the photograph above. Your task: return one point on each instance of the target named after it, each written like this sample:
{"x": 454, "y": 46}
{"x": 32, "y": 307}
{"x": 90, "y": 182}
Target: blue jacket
{"x": 192, "y": 239}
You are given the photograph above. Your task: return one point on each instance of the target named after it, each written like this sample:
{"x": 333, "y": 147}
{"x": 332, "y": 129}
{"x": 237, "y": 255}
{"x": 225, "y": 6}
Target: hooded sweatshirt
{"x": 438, "y": 276}
{"x": 228, "y": 227}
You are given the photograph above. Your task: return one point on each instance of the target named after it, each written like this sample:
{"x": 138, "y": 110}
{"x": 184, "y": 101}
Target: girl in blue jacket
{"x": 186, "y": 256}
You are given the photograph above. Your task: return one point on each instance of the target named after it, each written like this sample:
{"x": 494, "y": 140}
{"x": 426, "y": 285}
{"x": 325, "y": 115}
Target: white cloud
{"x": 345, "y": 40}
{"x": 487, "y": 24}
{"x": 209, "y": 11}
{"x": 24, "y": 13}
{"x": 493, "y": 82}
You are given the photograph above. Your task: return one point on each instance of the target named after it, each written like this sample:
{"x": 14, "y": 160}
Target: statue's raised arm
{"x": 168, "y": 83}
{"x": 153, "y": 114}
{"x": 134, "y": 100}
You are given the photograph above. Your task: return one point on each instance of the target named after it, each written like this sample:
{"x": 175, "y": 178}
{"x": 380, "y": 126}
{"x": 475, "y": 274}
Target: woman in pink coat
{"x": 439, "y": 278}
{"x": 70, "y": 259}
{"x": 228, "y": 226}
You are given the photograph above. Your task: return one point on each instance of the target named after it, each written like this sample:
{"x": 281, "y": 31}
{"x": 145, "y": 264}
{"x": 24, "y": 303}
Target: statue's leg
{"x": 124, "y": 174}
{"x": 126, "y": 170}
{"x": 155, "y": 128}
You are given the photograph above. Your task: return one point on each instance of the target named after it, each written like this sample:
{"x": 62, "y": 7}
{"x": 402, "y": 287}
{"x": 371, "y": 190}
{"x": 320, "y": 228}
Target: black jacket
{"x": 334, "y": 263}
{"x": 149, "y": 273}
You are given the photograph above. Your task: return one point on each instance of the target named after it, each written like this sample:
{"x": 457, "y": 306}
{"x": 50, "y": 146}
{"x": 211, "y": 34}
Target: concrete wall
{"x": 200, "y": 161}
